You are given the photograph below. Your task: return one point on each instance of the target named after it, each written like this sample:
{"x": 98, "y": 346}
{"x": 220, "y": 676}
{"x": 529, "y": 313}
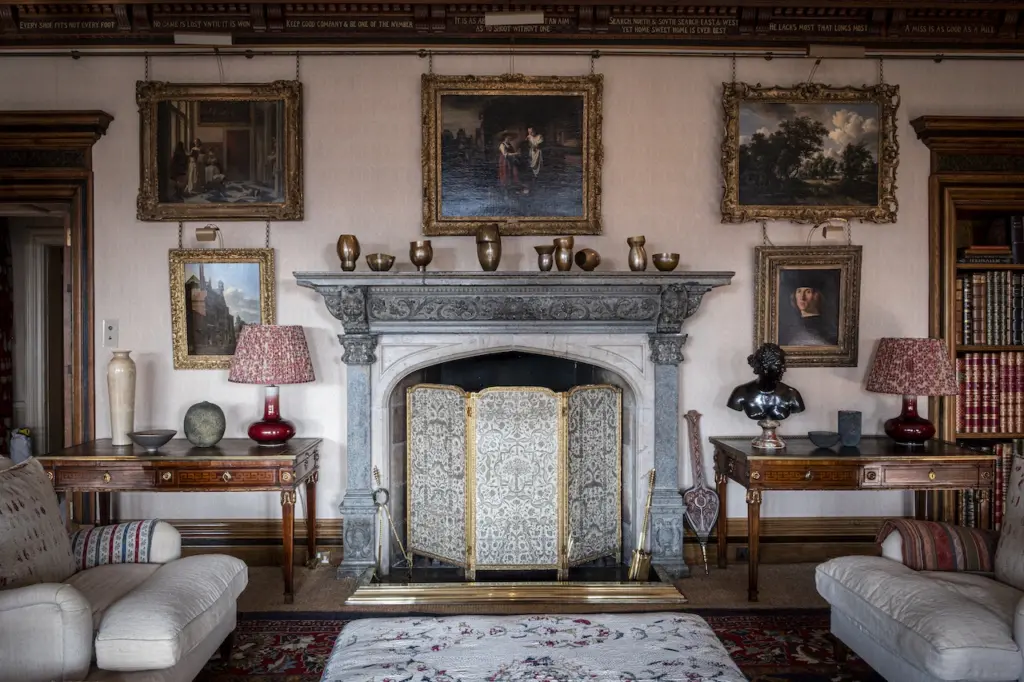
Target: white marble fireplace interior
{"x": 555, "y": 362}
{"x": 505, "y": 368}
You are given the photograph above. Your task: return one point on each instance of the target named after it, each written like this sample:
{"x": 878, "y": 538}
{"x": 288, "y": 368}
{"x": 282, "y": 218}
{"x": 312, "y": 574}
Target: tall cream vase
{"x": 121, "y": 394}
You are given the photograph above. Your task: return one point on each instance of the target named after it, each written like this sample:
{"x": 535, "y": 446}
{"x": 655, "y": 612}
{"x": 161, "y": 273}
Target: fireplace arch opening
{"x": 509, "y": 368}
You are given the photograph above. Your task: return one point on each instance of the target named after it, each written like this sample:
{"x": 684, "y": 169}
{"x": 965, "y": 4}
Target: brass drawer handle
{"x": 227, "y": 476}
{"x": 106, "y": 477}
{"x": 49, "y": 475}
{"x": 756, "y": 475}
{"x": 286, "y": 476}
{"x": 809, "y": 475}
{"x": 931, "y": 475}
{"x": 166, "y": 476}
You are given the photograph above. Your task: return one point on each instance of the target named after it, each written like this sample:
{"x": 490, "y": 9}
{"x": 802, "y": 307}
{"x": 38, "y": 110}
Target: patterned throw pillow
{"x": 122, "y": 543}
{"x": 34, "y": 546}
{"x": 932, "y": 546}
{"x": 1010, "y": 553}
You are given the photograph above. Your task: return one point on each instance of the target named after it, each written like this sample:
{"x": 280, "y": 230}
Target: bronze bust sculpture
{"x": 766, "y": 398}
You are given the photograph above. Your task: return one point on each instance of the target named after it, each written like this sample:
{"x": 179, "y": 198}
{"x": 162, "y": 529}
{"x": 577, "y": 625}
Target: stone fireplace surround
{"x": 398, "y": 323}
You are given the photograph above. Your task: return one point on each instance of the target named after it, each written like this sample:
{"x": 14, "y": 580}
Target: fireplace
{"x": 623, "y": 329}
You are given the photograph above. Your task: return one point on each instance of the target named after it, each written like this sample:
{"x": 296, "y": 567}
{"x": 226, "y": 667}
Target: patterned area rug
{"x": 768, "y": 646}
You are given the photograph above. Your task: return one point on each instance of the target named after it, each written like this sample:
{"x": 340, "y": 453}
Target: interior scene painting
{"x": 220, "y": 152}
{"x": 809, "y": 305}
{"x": 511, "y": 156}
{"x": 808, "y": 154}
{"x": 220, "y": 298}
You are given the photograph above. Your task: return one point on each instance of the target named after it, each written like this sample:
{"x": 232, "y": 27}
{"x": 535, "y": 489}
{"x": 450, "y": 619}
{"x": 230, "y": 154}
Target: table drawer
{"x": 112, "y": 478}
{"x": 808, "y": 477}
{"x": 925, "y": 476}
{"x": 221, "y": 478}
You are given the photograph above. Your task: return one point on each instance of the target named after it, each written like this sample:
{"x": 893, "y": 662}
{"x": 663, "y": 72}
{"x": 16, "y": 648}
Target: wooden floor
{"x": 781, "y": 586}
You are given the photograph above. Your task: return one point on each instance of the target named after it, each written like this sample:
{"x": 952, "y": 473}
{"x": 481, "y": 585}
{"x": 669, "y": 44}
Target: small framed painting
{"x": 228, "y": 152}
{"x": 808, "y": 302}
{"x": 214, "y": 293}
{"x": 520, "y": 151}
{"x": 809, "y": 153}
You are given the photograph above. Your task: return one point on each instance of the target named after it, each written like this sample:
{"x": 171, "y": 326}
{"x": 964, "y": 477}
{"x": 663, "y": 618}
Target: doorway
{"x": 35, "y": 236}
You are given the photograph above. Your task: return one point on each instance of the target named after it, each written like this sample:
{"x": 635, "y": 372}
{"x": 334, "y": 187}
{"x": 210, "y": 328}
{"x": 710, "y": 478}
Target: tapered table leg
{"x": 311, "y": 558}
{"x": 723, "y": 524}
{"x": 288, "y": 527}
{"x": 753, "y": 541}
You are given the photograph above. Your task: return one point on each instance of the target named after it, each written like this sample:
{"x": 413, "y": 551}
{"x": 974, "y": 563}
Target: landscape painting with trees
{"x": 809, "y": 153}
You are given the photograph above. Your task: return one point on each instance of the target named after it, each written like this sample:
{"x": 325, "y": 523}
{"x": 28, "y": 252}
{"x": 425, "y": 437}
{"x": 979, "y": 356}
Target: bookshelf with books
{"x": 977, "y": 295}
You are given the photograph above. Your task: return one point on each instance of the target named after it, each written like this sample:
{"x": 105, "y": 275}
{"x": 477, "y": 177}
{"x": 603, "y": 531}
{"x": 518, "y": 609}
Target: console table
{"x": 878, "y": 463}
{"x": 235, "y": 464}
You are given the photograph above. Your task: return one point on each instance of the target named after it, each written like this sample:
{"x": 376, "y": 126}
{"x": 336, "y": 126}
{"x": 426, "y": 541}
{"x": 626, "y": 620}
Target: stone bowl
{"x": 153, "y": 439}
{"x": 823, "y": 439}
{"x": 380, "y": 262}
{"x": 666, "y": 262}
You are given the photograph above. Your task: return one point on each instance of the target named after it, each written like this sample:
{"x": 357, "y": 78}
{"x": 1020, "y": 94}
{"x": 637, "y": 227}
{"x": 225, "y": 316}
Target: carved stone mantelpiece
{"x": 629, "y": 323}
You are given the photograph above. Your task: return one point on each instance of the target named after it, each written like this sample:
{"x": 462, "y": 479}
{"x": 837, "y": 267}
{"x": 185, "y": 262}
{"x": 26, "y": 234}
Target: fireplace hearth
{"x": 623, "y": 329}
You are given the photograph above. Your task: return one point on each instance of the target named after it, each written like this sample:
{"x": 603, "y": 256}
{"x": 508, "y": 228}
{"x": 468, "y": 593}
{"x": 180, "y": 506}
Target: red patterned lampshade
{"x": 271, "y": 354}
{"x": 911, "y": 367}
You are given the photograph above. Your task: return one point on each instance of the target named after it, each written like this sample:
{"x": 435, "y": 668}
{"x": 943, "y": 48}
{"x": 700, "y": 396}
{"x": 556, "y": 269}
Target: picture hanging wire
{"x": 733, "y": 81}
{"x": 220, "y": 64}
{"x": 511, "y": 55}
{"x": 810, "y": 76}
{"x": 835, "y": 223}
{"x": 881, "y": 71}
{"x": 181, "y": 235}
{"x": 268, "y": 235}
{"x": 594, "y": 56}
{"x": 297, "y": 57}
{"x": 764, "y": 232}
{"x": 146, "y": 76}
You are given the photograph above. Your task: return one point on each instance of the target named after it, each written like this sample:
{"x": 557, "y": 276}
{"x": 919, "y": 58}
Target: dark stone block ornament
{"x": 204, "y": 424}
{"x": 849, "y": 427}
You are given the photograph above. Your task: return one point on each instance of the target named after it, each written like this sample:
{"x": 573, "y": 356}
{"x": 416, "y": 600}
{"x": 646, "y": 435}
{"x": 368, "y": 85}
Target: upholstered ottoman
{"x": 668, "y": 647}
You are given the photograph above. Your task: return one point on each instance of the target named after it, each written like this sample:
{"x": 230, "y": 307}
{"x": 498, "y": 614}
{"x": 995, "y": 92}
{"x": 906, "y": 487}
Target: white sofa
{"x": 158, "y": 621}
{"x": 925, "y": 626}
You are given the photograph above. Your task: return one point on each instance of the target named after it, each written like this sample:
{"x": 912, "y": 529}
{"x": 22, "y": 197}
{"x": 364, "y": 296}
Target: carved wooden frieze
{"x": 976, "y": 23}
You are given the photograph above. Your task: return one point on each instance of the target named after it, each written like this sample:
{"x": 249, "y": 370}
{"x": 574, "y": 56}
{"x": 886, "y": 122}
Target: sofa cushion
{"x": 104, "y": 585}
{"x": 934, "y": 627}
{"x": 170, "y": 613}
{"x": 1009, "y": 563}
{"x": 34, "y": 546}
{"x": 132, "y": 542}
{"x": 932, "y": 546}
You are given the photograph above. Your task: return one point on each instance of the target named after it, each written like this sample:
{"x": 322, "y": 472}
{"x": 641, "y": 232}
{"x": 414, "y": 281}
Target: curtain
{"x": 6, "y": 339}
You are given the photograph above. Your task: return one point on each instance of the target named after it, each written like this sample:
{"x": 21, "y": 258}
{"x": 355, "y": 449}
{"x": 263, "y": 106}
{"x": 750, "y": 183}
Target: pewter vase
{"x": 563, "y": 253}
{"x": 488, "y": 247}
{"x": 637, "y": 253}
{"x": 348, "y": 251}
{"x": 121, "y": 396}
{"x": 420, "y": 254}
{"x": 545, "y": 256}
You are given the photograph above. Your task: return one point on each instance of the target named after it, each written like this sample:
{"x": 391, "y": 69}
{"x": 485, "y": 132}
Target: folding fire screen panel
{"x": 514, "y": 478}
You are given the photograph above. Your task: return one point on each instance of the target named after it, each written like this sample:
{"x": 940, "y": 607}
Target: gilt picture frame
{"x": 807, "y": 300}
{"x": 220, "y": 152}
{"x": 809, "y": 153}
{"x": 214, "y": 292}
{"x": 524, "y": 152}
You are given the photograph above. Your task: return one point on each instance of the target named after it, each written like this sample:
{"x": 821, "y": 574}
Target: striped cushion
{"x": 932, "y": 546}
{"x": 122, "y": 543}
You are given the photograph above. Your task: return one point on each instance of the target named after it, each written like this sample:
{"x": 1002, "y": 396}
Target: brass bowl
{"x": 588, "y": 259}
{"x": 666, "y": 262}
{"x": 380, "y": 262}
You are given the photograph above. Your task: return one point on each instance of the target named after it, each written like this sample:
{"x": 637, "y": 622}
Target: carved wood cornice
{"x": 976, "y": 24}
{"x": 64, "y": 129}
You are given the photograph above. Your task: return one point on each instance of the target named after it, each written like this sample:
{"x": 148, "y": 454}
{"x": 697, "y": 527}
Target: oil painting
{"x": 808, "y": 302}
{"x": 809, "y": 153}
{"x": 214, "y": 293}
{"x": 520, "y": 151}
{"x": 230, "y": 151}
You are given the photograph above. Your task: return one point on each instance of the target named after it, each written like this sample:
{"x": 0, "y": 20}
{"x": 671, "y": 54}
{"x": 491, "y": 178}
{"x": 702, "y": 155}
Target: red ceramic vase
{"x": 271, "y": 430}
{"x": 909, "y": 428}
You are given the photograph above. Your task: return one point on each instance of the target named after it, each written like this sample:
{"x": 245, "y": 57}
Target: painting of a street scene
{"x": 220, "y": 152}
{"x": 219, "y": 299}
{"x": 511, "y": 156}
{"x": 808, "y": 154}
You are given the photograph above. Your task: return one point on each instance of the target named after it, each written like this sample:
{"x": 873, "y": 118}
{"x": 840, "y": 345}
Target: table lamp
{"x": 271, "y": 354}
{"x": 911, "y": 367}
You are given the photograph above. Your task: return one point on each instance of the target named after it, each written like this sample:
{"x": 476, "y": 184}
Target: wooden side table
{"x": 235, "y": 464}
{"x": 878, "y": 463}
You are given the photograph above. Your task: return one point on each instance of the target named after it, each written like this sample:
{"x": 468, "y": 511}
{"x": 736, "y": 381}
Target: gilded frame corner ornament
{"x": 178, "y": 258}
{"x": 148, "y": 95}
{"x": 770, "y": 260}
{"x": 589, "y": 87}
{"x": 884, "y": 95}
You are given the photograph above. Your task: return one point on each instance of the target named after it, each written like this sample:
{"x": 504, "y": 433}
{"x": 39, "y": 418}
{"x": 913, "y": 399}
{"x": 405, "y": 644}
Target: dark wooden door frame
{"x": 46, "y": 157}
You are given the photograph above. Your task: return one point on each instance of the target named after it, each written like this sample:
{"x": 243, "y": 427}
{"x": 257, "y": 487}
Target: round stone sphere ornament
{"x": 204, "y": 424}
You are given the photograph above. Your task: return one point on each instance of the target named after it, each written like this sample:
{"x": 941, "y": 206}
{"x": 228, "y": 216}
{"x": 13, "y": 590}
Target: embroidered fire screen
{"x": 514, "y": 478}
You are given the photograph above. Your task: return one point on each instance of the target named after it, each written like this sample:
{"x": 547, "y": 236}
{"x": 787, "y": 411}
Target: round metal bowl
{"x": 380, "y": 262}
{"x": 666, "y": 262}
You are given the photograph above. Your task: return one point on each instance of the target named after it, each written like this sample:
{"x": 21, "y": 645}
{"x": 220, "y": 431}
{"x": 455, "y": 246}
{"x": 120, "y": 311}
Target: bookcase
{"x": 976, "y": 285}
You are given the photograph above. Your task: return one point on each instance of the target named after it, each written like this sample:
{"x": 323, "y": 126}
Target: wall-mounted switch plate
{"x": 110, "y": 331}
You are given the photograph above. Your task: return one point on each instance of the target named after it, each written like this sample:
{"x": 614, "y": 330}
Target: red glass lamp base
{"x": 909, "y": 428}
{"x": 271, "y": 431}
